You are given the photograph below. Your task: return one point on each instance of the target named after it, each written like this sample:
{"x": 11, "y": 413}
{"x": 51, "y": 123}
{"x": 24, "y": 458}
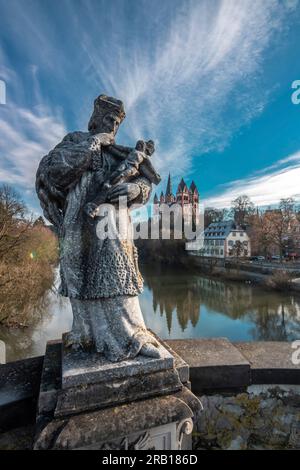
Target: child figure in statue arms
{"x": 137, "y": 163}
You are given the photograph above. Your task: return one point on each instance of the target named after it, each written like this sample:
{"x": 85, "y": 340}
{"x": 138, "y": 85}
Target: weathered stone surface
{"x": 19, "y": 379}
{"x": 19, "y": 385}
{"x": 103, "y": 394}
{"x": 262, "y": 418}
{"x": 271, "y": 362}
{"x": 88, "y": 429}
{"x": 83, "y": 367}
{"x": 17, "y": 438}
{"x": 214, "y": 363}
{"x": 263, "y": 409}
{"x": 180, "y": 365}
{"x": 90, "y": 381}
{"x": 51, "y": 378}
{"x": 111, "y": 395}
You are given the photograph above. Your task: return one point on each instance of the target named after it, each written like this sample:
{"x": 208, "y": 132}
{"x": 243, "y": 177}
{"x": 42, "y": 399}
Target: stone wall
{"x": 263, "y": 417}
{"x": 240, "y": 411}
{"x": 250, "y": 393}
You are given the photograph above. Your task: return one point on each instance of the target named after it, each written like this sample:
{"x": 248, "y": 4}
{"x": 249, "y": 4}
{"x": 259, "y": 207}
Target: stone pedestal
{"x": 86, "y": 402}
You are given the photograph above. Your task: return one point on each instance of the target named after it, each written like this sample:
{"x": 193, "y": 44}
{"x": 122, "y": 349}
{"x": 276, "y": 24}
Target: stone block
{"x": 19, "y": 385}
{"x": 180, "y": 365}
{"x": 215, "y": 364}
{"x": 82, "y": 368}
{"x": 158, "y": 423}
{"x": 117, "y": 391}
{"x": 271, "y": 362}
{"x": 51, "y": 378}
{"x": 137, "y": 404}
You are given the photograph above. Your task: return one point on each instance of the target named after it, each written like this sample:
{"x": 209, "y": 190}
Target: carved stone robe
{"x": 91, "y": 268}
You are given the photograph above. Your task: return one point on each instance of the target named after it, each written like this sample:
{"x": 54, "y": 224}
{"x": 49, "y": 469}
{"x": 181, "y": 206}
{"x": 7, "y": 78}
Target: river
{"x": 179, "y": 305}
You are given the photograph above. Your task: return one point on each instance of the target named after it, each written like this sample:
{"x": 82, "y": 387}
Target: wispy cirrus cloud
{"x": 204, "y": 64}
{"x": 25, "y": 136}
{"x": 189, "y": 72}
{"x": 265, "y": 188}
{"x": 26, "y": 132}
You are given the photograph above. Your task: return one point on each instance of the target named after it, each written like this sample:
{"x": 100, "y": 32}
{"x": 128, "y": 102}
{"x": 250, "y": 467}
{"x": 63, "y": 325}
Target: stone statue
{"x": 100, "y": 276}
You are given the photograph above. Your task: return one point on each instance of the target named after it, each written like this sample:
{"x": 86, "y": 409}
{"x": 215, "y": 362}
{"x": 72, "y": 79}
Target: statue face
{"x": 107, "y": 115}
{"x": 110, "y": 124}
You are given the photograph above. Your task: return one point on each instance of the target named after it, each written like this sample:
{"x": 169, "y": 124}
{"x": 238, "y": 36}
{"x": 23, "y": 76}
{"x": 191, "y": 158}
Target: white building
{"x": 226, "y": 239}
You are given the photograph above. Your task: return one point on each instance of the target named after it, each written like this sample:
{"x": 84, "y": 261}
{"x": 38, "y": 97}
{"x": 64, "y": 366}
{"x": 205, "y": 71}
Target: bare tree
{"x": 261, "y": 235}
{"x": 281, "y": 223}
{"x": 237, "y": 250}
{"x": 13, "y": 225}
{"x": 212, "y": 214}
{"x": 242, "y": 209}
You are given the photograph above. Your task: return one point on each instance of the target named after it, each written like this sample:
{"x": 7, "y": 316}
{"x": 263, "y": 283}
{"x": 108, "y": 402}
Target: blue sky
{"x": 209, "y": 80}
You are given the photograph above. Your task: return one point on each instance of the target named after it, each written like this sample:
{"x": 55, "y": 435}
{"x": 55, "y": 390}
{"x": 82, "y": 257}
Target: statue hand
{"x": 129, "y": 190}
{"x": 91, "y": 209}
{"x": 103, "y": 138}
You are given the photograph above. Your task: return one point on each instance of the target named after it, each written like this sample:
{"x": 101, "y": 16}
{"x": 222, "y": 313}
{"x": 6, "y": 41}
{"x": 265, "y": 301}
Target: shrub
{"x": 280, "y": 280}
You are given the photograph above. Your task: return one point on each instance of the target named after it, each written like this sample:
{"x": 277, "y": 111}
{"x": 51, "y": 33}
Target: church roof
{"x": 155, "y": 199}
{"x": 169, "y": 187}
{"x": 193, "y": 188}
{"x": 182, "y": 186}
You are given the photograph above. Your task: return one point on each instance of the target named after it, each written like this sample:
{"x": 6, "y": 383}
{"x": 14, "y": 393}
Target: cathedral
{"x": 186, "y": 197}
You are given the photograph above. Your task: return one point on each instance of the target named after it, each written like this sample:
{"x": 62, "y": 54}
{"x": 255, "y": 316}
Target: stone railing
{"x": 250, "y": 393}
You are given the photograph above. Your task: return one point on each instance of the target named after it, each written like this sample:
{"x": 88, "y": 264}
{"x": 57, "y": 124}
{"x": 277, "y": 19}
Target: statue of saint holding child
{"x": 99, "y": 274}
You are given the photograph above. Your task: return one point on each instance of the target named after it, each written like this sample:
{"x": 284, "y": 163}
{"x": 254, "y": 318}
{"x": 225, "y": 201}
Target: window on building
{"x": 234, "y": 234}
{"x": 230, "y": 243}
{"x": 241, "y": 234}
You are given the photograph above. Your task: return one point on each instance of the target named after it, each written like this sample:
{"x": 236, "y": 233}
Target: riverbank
{"x": 172, "y": 253}
{"x": 274, "y": 277}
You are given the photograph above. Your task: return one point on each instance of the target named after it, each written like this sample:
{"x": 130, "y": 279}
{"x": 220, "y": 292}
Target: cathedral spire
{"x": 169, "y": 186}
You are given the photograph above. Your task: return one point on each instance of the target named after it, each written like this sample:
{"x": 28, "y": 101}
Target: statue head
{"x": 107, "y": 115}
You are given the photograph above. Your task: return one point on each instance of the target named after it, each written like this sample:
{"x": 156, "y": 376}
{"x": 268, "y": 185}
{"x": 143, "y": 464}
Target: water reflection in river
{"x": 191, "y": 306}
{"x": 180, "y": 305}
